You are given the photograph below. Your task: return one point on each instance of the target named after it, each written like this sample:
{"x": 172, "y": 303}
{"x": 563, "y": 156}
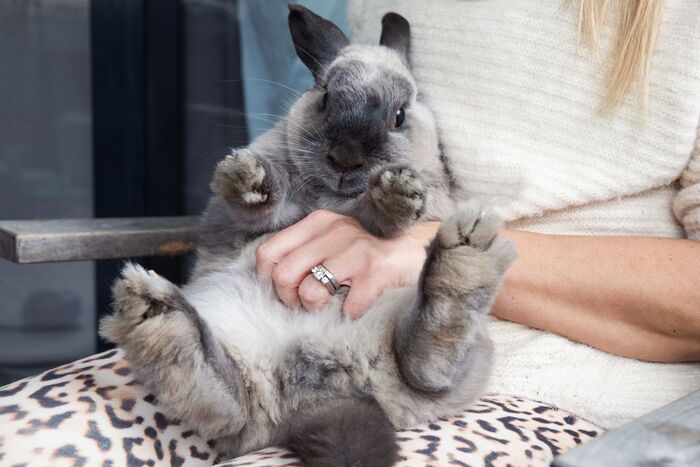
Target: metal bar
{"x": 669, "y": 436}
{"x": 89, "y": 239}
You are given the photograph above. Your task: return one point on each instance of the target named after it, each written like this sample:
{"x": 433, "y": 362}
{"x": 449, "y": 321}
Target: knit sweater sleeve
{"x": 686, "y": 205}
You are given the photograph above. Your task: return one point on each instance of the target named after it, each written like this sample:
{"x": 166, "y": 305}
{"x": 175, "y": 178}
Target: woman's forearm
{"x": 633, "y": 296}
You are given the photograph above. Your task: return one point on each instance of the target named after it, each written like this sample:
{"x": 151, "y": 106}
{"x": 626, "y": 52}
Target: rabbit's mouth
{"x": 351, "y": 185}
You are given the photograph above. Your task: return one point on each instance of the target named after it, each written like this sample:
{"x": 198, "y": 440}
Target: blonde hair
{"x": 630, "y": 56}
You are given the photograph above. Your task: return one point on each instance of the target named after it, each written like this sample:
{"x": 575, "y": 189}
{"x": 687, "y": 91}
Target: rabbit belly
{"x": 272, "y": 342}
{"x": 247, "y": 318}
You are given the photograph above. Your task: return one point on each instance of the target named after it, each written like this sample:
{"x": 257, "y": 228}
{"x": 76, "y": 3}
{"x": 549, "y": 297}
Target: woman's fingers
{"x": 347, "y": 264}
{"x": 322, "y": 236}
{"x": 334, "y": 250}
{"x": 291, "y": 270}
{"x": 362, "y": 294}
{"x": 313, "y": 294}
{"x": 354, "y": 257}
{"x": 271, "y": 252}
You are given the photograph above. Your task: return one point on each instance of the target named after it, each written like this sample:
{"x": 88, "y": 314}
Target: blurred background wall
{"x": 122, "y": 108}
{"x": 47, "y": 312}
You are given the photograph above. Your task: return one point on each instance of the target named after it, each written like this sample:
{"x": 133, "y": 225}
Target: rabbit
{"x": 222, "y": 352}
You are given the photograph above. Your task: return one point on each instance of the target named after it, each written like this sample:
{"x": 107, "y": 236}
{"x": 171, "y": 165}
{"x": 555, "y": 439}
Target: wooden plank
{"x": 669, "y": 436}
{"x": 41, "y": 241}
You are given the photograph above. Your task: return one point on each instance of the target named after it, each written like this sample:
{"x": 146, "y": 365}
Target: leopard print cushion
{"x": 94, "y": 413}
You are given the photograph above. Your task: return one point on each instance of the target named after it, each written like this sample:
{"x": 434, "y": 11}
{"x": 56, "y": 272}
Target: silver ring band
{"x": 325, "y": 277}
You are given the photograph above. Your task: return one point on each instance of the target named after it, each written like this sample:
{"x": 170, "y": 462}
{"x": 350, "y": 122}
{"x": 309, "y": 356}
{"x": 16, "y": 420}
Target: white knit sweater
{"x": 516, "y": 106}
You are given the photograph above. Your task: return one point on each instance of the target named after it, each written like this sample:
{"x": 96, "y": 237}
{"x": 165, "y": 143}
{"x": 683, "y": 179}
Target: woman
{"x": 588, "y": 155}
{"x": 531, "y": 127}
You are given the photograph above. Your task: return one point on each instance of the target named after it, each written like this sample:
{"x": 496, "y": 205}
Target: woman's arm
{"x": 633, "y": 296}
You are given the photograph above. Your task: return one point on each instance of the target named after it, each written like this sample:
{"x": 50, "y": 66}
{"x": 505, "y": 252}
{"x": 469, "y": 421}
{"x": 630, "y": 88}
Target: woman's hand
{"x": 354, "y": 256}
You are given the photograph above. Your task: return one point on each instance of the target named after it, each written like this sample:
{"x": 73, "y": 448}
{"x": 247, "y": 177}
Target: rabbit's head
{"x": 362, "y": 111}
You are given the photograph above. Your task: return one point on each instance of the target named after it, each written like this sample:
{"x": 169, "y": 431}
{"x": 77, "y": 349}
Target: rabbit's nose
{"x": 345, "y": 161}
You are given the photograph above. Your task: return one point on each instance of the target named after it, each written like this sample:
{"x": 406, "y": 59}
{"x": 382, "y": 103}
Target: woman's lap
{"x": 496, "y": 430}
{"x": 93, "y": 412}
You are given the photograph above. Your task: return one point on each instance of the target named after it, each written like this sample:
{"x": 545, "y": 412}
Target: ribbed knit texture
{"x": 517, "y": 110}
{"x": 686, "y": 206}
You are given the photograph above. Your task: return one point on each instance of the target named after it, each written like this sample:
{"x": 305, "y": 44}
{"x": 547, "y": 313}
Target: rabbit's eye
{"x": 325, "y": 101}
{"x": 400, "y": 117}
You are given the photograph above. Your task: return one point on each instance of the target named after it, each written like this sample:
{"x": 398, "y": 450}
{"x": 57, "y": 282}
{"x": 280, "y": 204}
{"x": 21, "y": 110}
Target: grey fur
{"x": 396, "y": 34}
{"x": 230, "y": 360}
{"x": 305, "y": 29}
{"x": 357, "y": 424}
{"x": 172, "y": 349}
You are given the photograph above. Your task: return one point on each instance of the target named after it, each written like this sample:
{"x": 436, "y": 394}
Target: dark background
{"x": 121, "y": 108}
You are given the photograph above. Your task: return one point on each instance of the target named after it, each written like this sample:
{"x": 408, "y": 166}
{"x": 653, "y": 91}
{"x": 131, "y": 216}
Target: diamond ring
{"x": 325, "y": 277}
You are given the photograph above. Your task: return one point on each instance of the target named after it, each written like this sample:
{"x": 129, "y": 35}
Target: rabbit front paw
{"x": 242, "y": 179}
{"x": 398, "y": 193}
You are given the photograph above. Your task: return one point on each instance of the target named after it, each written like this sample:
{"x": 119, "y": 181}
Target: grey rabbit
{"x": 226, "y": 357}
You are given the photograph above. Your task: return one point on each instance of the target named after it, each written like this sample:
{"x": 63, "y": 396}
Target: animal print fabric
{"x": 94, "y": 413}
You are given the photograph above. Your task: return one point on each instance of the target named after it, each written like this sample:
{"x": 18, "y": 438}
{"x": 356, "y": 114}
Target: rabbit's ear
{"x": 316, "y": 40}
{"x": 396, "y": 34}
